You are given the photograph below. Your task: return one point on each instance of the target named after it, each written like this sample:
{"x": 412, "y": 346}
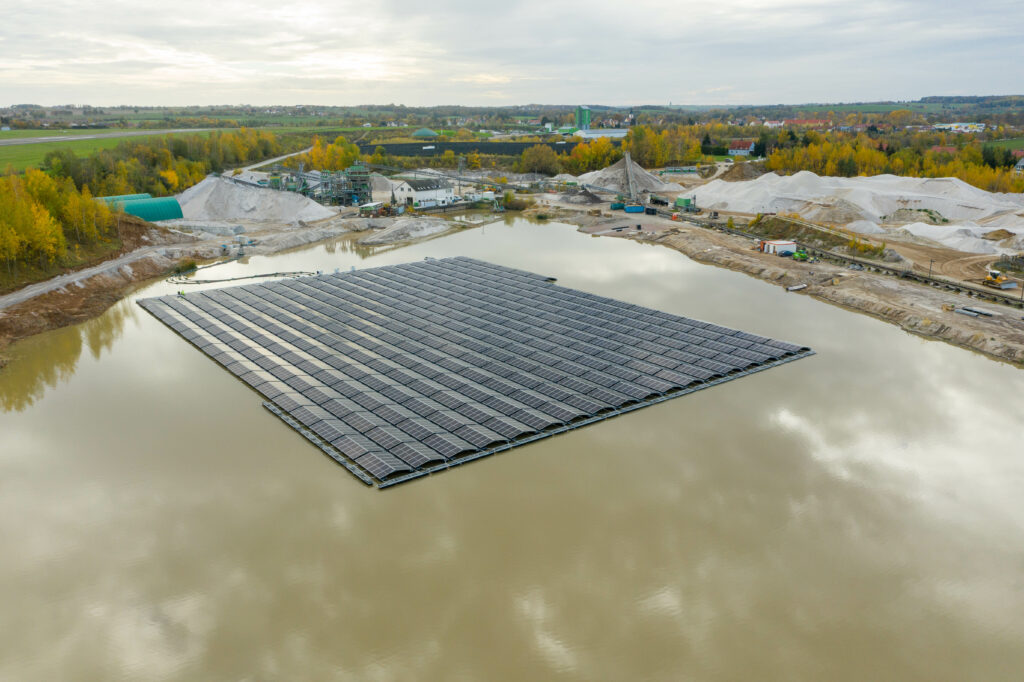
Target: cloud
{"x": 455, "y": 51}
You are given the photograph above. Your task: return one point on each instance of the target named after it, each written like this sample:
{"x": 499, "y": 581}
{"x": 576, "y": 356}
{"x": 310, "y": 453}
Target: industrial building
{"x": 613, "y": 133}
{"x": 583, "y": 117}
{"x": 424, "y": 192}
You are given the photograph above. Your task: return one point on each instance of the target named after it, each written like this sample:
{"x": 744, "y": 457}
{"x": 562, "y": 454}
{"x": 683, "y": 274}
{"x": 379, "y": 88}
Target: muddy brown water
{"x": 856, "y": 515}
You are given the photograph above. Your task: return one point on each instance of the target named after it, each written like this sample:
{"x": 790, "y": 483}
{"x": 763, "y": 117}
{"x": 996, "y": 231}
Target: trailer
{"x": 778, "y": 247}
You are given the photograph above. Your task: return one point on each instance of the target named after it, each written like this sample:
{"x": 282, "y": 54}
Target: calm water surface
{"x": 853, "y": 516}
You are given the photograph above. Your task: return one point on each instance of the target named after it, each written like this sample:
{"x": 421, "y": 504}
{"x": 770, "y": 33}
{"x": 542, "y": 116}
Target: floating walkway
{"x": 406, "y": 370}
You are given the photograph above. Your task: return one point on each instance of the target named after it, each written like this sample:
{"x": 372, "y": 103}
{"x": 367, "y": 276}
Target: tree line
{"x": 161, "y": 165}
{"x": 846, "y": 156}
{"x": 48, "y": 216}
{"x": 42, "y": 217}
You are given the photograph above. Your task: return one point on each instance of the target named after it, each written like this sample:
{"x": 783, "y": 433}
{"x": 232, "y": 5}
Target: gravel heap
{"x": 217, "y": 198}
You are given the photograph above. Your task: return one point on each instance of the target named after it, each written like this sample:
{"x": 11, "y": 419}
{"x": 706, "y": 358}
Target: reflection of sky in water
{"x": 855, "y": 515}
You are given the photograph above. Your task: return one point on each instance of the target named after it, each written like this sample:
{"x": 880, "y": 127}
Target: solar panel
{"x": 405, "y": 367}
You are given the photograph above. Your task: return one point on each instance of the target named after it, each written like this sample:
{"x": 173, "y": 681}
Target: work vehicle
{"x": 997, "y": 280}
{"x": 801, "y": 254}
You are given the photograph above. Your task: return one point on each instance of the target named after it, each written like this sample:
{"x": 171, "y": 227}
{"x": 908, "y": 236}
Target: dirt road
{"x": 61, "y": 281}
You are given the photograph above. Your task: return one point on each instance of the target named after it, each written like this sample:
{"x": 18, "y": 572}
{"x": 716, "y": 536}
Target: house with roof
{"x": 1019, "y": 168}
{"x": 741, "y": 148}
{"x": 423, "y": 192}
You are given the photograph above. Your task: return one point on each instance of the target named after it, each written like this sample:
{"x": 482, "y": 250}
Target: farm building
{"x": 424, "y": 192}
{"x": 741, "y": 148}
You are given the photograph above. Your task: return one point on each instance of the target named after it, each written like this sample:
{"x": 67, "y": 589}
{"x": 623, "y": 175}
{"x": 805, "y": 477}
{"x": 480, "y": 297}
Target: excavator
{"x": 997, "y": 280}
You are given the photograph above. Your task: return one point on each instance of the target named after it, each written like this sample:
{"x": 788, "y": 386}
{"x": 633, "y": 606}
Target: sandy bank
{"x": 914, "y": 307}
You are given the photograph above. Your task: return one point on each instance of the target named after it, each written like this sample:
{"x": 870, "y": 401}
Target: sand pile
{"x": 405, "y": 229}
{"x": 220, "y": 199}
{"x": 381, "y": 188}
{"x": 614, "y": 178}
{"x": 743, "y": 171}
{"x": 832, "y": 199}
{"x": 946, "y": 211}
{"x": 997, "y": 235}
{"x": 205, "y": 228}
{"x": 581, "y": 196}
{"x": 959, "y": 237}
{"x": 864, "y": 227}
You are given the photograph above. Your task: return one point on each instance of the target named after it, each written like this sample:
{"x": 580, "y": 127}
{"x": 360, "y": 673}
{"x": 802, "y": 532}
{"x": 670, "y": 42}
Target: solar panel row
{"x": 404, "y": 367}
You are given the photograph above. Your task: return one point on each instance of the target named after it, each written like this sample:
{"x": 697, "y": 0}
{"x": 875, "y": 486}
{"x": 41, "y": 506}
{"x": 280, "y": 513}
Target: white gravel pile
{"x": 865, "y": 227}
{"x": 220, "y": 199}
{"x": 206, "y": 227}
{"x": 614, "y": 178}
{"x": 869, "y": 198}
{"x": 406, "y": 229}
{"x": 863, "y": 203}
{"x": 960, "y": 237}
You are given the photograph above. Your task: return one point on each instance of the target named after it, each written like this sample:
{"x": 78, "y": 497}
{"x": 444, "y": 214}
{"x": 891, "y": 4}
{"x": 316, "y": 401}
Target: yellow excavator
{"x": 997, "y": 280}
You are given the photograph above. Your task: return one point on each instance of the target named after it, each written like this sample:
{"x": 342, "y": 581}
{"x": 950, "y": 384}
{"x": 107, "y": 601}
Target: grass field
{"x": 21, "y": 157}
{"x": 1013, "y": 143}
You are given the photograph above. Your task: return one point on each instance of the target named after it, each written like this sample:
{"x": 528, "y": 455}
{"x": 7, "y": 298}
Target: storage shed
{"x": 161, "y": 208}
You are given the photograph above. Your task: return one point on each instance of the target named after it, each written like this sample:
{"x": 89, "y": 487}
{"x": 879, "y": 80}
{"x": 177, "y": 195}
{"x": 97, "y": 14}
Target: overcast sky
{"x": 109, "y": 52}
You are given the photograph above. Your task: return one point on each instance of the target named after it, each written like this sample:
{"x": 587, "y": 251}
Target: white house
{"x": 1019, "y": 168}
{"x": 424, "y": 192}
{"x": 741, "y": 148}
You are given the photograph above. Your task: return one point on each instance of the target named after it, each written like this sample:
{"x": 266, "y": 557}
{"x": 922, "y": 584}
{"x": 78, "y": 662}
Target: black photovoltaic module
{"x": 404, "y": 370}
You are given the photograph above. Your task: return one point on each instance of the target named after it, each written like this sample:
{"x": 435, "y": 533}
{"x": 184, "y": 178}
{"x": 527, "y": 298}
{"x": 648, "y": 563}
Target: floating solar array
{"x": 401, "y": 371}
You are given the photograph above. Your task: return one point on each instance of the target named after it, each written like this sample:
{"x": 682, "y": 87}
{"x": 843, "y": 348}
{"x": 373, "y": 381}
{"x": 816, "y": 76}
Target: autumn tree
{"x": 540, "y": 158}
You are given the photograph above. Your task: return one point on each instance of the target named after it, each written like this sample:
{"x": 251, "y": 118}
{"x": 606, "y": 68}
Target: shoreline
{"x": 916, "y": 308}
{"x": 913, "y": 307}
{"x": 76, "y": 297}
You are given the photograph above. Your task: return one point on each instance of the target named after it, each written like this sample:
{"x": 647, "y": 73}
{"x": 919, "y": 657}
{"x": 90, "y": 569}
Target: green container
{"x": 618, "y": 205}
{"x": 682, "y": 203}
